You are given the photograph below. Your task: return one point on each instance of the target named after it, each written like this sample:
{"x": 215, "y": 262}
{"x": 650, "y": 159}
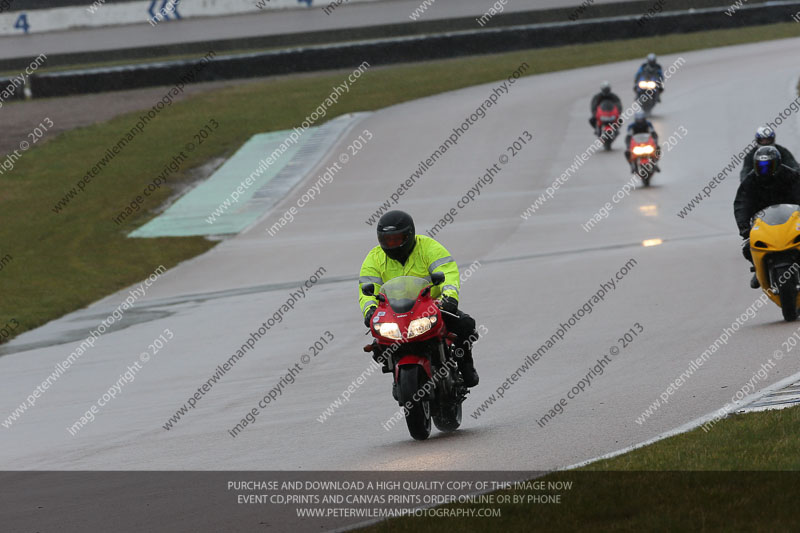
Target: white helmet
{"x": 765, "y": 136}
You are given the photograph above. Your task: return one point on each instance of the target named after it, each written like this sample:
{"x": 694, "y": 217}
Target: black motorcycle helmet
{"x": 766, "y": 161}
{"x": 396, "y": 235}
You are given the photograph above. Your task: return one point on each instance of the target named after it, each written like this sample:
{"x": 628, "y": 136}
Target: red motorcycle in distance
{"x": 643, "y": 154}
{"x": 411, "y": 337}
{"x": 607, "y": 122}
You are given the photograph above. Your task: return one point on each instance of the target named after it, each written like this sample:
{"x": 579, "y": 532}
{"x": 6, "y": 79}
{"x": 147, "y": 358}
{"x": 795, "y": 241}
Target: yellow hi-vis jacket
{"x": 427, "y": 257}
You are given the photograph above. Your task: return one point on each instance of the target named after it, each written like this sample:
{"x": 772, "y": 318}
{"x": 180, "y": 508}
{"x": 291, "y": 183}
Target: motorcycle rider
{"x": 403, "y": 253}
{"x": 640, "y": 124}
{"x": 651, "y": 65}
{"x": 605, "y": 94}
{"x": 766, "y": 137}
{"x": 769, "y": 183}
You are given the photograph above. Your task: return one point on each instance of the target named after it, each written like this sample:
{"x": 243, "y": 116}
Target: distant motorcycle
{"x": 775, "y": 246}
{"x": 647, "y": 91}
{"x": 643, "y": 150}
{"x": 607, "y": 122}
{"x": 408, "y": 325}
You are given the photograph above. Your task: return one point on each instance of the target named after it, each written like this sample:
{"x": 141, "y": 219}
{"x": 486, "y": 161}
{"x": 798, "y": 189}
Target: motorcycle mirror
{"x": 368, "y": 289}
{"x": 437, "y": 278}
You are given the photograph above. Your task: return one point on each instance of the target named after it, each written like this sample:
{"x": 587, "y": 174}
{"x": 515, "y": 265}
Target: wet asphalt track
{"x": 535, "y": 274}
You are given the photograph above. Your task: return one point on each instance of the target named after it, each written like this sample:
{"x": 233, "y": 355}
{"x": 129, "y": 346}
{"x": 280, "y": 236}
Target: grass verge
{"x": 51, "y": 264}
{"x": 732, "y": 478}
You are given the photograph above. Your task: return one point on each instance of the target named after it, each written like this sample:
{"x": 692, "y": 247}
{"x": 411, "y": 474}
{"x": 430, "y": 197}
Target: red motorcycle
{"x": 411, "y": 337}
{"x": 643, "y": 154}
{"x": 607, "y": 122}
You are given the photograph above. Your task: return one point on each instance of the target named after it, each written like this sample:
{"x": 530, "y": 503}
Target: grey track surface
{"x": 252, "y": 25}
{"x": 683, "y": 292}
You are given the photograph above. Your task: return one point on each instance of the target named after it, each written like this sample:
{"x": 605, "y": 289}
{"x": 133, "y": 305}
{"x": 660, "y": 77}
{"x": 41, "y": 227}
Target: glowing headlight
{"x": 420, "y": 326}
{"x": 647, "y": 84}
{"x": 644, "y": 149}
{"x": 390, "y": 330}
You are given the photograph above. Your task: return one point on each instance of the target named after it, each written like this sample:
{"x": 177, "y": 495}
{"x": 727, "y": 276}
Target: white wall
{"x": 44, "y": 20}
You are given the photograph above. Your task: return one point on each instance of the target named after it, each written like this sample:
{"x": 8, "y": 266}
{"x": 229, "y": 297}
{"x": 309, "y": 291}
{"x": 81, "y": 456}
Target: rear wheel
{"x": 418, "y": 412}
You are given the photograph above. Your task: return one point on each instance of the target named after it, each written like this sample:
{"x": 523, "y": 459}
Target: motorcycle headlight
{"x": 644, "y": 149}
{"x": 647, "y": 84}
{"x": 390, "y": 330}
{"x": 420, "y": 326}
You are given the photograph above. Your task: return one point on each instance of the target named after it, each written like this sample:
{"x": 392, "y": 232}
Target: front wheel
{"x": 788, "y": 297}
{"x": 644, "y": 173}
{"x": 417, "y": 411}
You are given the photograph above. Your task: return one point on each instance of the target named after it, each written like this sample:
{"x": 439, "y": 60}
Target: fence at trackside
{"x": 9, "y": 90}
{"x": 427, "y": 26}
{"x": 405, "y": 49}
{"x": 23, "y": 17}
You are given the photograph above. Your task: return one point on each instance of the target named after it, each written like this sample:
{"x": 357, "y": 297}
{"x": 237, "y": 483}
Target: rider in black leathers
{"x": 641, "y": 125}
{"x": 604, "y": 94}
{"x": 769, "y": 183}
{"x": 653, "y": 67}
{"x": 766, "y": 137}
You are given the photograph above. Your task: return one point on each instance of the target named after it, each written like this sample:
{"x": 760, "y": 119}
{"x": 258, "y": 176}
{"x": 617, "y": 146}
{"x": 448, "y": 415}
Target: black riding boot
{"x": 467, "y": 366}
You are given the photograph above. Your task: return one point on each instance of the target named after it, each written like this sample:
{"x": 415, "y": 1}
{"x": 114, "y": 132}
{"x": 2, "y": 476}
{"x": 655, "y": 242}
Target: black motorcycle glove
{"x": 368, "y": 316}
{"x": 449, "y": 304}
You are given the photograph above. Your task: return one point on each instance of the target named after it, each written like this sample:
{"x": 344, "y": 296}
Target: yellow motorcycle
{"x": 775, "y": 246}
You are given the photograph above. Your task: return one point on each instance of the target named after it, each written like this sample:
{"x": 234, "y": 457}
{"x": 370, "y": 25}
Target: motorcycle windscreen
{"x": 778, "y": 214}
{"x": 649, "y": 73}
{"x": 402, "y": 292}
{"x": 608, "y": 106}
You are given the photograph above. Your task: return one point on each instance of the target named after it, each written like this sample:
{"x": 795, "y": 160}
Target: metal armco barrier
{"x": 405, "y": 49}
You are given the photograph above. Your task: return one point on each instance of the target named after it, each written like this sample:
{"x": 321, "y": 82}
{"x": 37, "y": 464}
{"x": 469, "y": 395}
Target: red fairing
{"x": 606, "y": 119}
{"x": 645, "y": 159}
{"x": 413, "y": 360}
{"x": 425, "y": 306}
